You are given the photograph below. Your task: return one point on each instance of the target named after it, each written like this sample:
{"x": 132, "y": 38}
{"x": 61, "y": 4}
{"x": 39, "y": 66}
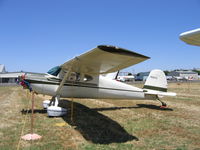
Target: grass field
{"x": 104, "y": 124}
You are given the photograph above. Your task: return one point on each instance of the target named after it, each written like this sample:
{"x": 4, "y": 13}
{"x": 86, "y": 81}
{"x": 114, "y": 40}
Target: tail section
{"x": 156, "y": 85}
{"x": 156, "y": 81}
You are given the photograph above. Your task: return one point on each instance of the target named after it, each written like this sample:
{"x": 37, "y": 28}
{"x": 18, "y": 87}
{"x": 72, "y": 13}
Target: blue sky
{"x": 36, "y": 35}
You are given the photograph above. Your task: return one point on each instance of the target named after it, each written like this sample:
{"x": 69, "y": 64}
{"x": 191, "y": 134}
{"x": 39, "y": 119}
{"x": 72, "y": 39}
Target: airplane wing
{"x": 103, "y": 59}
{"x": 191, "y": 37}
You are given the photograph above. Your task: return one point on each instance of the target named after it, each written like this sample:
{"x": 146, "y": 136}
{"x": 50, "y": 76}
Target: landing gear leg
{"x": 54, "y": 110}
{"x": 54, "y": 101}
{"x": 164, "y": 105}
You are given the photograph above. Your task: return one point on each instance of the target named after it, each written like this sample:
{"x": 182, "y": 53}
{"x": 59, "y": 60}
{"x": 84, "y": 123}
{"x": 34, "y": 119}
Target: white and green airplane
{"x": 86, "y": 76}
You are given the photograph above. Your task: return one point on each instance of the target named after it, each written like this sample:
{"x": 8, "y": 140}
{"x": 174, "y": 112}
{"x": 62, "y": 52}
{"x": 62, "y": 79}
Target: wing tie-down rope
{"x": 24, "y": 123}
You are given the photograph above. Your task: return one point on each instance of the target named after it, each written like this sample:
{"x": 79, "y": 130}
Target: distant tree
{"x": 166, "y": 72}
{"x": 129, "y": 74}
{"x": 197, "y": 71}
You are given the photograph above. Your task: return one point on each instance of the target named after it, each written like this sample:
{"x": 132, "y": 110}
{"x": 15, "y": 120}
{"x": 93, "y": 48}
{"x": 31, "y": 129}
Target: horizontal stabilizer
{"x": 159, "y": 93}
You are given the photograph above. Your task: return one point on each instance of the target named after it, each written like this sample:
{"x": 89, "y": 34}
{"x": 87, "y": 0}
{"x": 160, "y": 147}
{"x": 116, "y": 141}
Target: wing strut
{"x": 61, "y": 85}
{"x": 66, "y": 76}
{"x": 63, "y": 80}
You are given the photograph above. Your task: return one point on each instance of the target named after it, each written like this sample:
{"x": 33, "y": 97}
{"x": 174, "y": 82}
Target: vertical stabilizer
{"x": 156, "y": 81}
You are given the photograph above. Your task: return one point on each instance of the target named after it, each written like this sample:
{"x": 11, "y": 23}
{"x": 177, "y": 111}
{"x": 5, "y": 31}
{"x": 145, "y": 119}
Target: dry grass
{"x": 105, "y": 124}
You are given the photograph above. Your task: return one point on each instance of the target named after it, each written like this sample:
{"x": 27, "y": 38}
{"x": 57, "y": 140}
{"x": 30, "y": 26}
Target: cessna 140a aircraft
{"x": 89, "y": 76}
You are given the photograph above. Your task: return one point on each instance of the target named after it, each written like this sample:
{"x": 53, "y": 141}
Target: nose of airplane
{"x": 22, "y": 81}
{"x": 21, "y": 78}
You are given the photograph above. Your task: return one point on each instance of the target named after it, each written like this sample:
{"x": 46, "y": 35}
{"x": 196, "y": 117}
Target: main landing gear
{"x": 53, "y": 110}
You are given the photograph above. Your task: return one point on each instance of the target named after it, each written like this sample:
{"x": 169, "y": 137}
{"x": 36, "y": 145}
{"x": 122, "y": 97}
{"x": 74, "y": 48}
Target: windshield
{"x": 54, "y": 71}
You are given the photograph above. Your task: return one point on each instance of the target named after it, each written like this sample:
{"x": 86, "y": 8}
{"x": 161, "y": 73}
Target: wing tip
{"x": 122, "y": 51}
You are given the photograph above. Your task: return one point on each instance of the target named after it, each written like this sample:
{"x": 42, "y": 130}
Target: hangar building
{"x": 189, "y": 75}
{"x": 8, "y": 78}
{"x": 142, "y": 76}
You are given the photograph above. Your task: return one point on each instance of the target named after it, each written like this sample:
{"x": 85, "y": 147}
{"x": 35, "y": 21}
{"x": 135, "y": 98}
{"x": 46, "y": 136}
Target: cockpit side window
{"x": 74, "y": 76}
{"x": 87, "y": 78}
{"x": 54, "y": 71}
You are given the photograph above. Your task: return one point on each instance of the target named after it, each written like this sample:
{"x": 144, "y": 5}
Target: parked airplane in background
{"x": 191, "y": 37}
{"x": 86, "y": 76}
{"x": 124, "y": 78}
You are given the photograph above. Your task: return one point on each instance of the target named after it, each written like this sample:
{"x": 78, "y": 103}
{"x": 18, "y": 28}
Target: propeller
{"x": 24, "y": 83}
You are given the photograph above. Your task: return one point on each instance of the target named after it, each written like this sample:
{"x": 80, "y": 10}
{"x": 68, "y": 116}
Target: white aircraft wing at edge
{"x": 103, "y": 59}
{"x": 191, "y": 37}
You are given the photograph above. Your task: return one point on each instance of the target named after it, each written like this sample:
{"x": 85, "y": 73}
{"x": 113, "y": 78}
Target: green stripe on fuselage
{"x": 155, "y": 88}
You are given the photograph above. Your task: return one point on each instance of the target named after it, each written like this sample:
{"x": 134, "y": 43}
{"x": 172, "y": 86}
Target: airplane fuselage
{"x": 100, "y": 87}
